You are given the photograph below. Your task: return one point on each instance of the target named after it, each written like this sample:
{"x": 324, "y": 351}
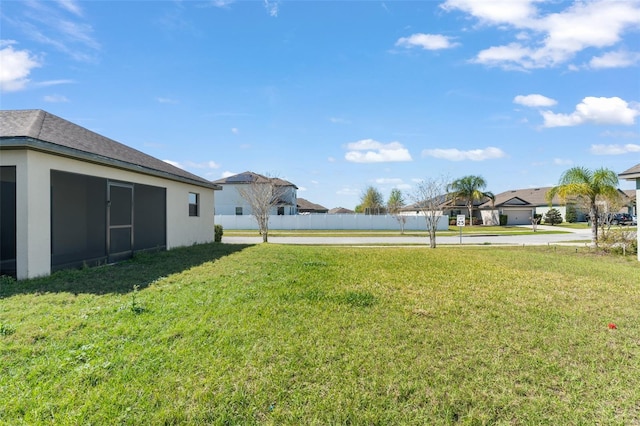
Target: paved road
{"x": 572, "y": 237}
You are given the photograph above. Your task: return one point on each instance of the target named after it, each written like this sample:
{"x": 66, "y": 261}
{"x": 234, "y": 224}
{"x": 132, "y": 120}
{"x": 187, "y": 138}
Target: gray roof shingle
{"x": 249, "y": 177}
{"x": 54, "y": 134}
{"x": 632, "y": 173}
{"x": 523, "y": 197}
{"x": 306, "y": 205}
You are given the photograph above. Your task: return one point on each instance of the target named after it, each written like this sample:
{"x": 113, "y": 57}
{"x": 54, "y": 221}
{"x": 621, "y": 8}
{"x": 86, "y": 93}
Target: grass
{"x": 452, "y": 230}
{"x": 276, "y": 334}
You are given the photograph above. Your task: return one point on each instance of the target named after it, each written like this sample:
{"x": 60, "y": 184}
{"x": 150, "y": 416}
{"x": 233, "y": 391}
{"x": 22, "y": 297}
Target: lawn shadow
{"x": 140, "y": 271}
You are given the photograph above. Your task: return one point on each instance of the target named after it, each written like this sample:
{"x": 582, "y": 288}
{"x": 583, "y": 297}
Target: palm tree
{"x": 469, "y": 188}
{"x": 588, "y": 186}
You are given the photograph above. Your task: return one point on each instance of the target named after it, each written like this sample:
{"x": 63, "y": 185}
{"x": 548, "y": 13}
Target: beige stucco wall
{"x": 33, "y": 173}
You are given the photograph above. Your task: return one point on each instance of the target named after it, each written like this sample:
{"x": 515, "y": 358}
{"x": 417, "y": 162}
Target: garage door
{"x": 518, "y": 217}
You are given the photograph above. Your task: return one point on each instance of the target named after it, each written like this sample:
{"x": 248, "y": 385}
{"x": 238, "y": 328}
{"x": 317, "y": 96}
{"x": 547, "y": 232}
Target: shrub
{"x": 620, "y": 242}
{"x": 217, "y": 234}
{"x": 571, "y": 215}
{"x": 503, "y": 219}
{"x": 553, "y": 217}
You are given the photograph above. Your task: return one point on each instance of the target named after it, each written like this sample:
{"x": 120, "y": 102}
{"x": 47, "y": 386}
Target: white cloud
{"x": 227, "y": 174}
{"x": 70, "y": 6}
{"x": 49, "y": 83}
{"x": 554, "y": 38}
{"x": 495, "y": 11}
{"x": 194, "y": 165}
{"x": 174, "y": 164}
{"x": 203, "y": 165}
{"x": 614, "y": 149}
{"x": 16, "y": 67}
{"x": 166, "y": 100}
{"x": 338, "y": 120}
{"x": 426, "y": 41}
{"x": 594, "y": 110}
{"x": 453, "y": 154}
{"x": 619, "y": 59}
{"x": 620, "y": 134}
{"x": 49, "y": 23}
{"x": 371, "y": 151}
{"x": 562, "y": 162}
{"x": 534, "y": 100}
{"x": 272, "y": 7}
{"x": 389, "y": 181}
{"x": 235, "y": 130}
{"x": 222, "y": 3}
{"x": 56, "y": 98}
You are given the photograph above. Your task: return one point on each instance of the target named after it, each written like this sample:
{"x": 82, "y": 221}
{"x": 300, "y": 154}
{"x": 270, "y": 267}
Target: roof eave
{"x": 16, "y": 143}
{"x": 629, "y": 176}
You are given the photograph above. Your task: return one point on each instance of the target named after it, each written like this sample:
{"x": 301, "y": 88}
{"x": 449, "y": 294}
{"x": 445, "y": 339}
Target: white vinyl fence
{"x": 331, "y": 221}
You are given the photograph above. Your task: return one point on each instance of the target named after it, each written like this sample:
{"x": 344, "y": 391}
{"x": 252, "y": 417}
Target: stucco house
{"x": 72, "y": 197}
{"x": 633, "y": 174}
{"x": 229, "y": 201}
{"x": 519, "y": 205}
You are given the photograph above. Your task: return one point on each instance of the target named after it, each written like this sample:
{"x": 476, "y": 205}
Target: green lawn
{"x": 302, "y": 335}
{"x": 452, "y": 230}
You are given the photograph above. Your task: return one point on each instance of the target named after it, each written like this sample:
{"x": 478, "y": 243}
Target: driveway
{"x": 572, "y": 237}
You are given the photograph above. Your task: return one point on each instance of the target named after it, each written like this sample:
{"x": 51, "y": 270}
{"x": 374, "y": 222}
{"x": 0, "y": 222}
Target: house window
{"x": 194, "y": 204}
{"x": 238, "y": 211}
{"x": 280, "y": 211}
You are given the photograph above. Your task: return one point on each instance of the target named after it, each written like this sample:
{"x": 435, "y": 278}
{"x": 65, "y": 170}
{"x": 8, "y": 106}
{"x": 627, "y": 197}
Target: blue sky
{"x": 336, "y": 96}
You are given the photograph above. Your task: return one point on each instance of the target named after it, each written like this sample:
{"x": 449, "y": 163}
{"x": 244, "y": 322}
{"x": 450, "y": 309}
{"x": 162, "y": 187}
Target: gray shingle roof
{"x": 249, "y": 177}
{"x": 632, "y": 173}
{"x": 38, "y": 129}
{"x": 523, "y": 197}
{"x": 307, "y": 206}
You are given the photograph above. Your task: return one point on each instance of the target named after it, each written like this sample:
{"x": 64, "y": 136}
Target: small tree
{"x": 608, "y": 206}
{"x": 571, "y": 215}
{"x": 535, "y": 220}
{"x": 429, "y": 196}
{"x": 394, "y": 204}
{"x": 263, "y": 193}
{"x": 371, "y": 202}
{"x": 553, "y": 216}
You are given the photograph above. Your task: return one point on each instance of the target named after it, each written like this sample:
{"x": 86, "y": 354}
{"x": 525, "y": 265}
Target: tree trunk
{"x": 432, "y": 237}
{"x": 593, "y": 215}
{"x": 470, "y": 207}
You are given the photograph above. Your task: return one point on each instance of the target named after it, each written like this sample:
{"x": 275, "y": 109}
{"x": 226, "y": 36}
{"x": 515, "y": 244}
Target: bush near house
{"x": 553, "y": 217}
{"x": 571, "y": 215}
{"x": 217, "y": 233}
{"x": 503, "y": 219}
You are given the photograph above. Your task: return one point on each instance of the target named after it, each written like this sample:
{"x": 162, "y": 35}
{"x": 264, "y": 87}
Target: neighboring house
{"x": 520, "y": 205}
{"x": 340, "y": 210}
{"x": 454, "y": 207}
{"x": 305, "y": 206}
{"x": 631, "y": 205}
{"x": 633, "y": 174}
{"x": 229, "y": 201}
{"x": 71, "y": 197}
